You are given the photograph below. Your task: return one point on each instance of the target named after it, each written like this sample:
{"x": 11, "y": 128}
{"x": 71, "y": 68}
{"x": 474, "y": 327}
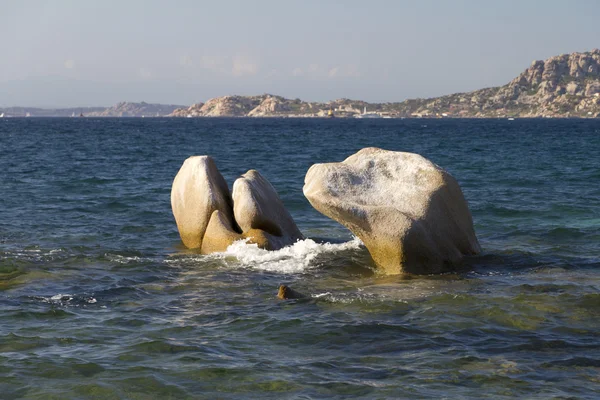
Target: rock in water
{"x": 257, "y": 207}
{"x": 198, "y": 190}
{"x": 410, "y": 214}
{"x": 219, "y": 234}
{"x": 287, "y": 293}
{"x": 204, "y": 209}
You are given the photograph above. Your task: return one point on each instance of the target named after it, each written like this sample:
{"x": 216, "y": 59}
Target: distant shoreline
{"x": 564, "y": 86}
{"x": 431, "y": 118}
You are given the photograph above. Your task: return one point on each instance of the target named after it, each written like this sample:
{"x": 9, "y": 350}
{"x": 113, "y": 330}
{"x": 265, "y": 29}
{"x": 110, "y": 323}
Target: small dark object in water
{"x": 286, "y": 293}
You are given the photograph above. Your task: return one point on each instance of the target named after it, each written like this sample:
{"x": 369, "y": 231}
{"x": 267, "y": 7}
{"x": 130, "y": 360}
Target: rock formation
{"x": 195, "y": 110}
{"x": 287, "y": 293}
{"x": 256, "y": 206}
{"x": 562, "y": 86}
{"x": 198, "y": 190}
{"x": 206, "y": 213}
{"x": 226, "y": 106}
{"x": 410, "y": 214}
{"x": 271, "y": 105}
{"x": 128, "y": 109}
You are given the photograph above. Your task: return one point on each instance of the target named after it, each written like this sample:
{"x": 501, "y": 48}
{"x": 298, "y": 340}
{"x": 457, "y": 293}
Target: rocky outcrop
{"x": 199, "y": 190}
{"x": 230, "y": 106}
{"x": 209, "y": 219}
{"x": 268, "y": 105}
{"x": 226, "y": 106}
{"x": 410, "y": 214}
{"x": 127, "y": 109}
{"x": 561, "y": 86}
{"x": 287, "y": 293}
{"x": 271, "y": 106}
{"x": 192, "y": 111}
{"x": 257, "y": 207}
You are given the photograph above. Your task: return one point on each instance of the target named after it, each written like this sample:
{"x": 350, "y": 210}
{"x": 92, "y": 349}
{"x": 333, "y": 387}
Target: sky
{"x": 69, "y": 53}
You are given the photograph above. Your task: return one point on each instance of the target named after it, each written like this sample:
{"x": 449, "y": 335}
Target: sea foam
{"x": 297, "y": 258}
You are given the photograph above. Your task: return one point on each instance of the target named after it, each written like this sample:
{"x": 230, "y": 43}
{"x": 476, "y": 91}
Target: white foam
{"x": 123, "y": 259}
{"x": 61, "y": 297}
{"x": 299, "y": 257}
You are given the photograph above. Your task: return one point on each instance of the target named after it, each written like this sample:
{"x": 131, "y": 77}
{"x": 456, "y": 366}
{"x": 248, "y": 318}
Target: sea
{"x": 100, "y": 300}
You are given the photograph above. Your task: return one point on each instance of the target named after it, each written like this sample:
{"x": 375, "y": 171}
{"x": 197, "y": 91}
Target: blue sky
{"x": 86, "y": 52}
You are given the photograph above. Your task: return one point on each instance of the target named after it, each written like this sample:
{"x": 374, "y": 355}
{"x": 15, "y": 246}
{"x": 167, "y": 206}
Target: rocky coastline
{"x": 563, "y": 86}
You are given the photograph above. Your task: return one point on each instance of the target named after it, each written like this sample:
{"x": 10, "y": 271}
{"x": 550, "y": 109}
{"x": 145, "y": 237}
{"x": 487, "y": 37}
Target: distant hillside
{"x": 142, "y": 109}
{"x": 123, "y": 109}
{"x": 47, "y": 112}
{"x": 268, "y": 105}
{"x": 563, "y": 86}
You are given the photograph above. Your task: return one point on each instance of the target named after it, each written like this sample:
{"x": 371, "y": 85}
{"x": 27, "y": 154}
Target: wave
{"x": 64, "y": 299}
{"x": 297, "y": 258}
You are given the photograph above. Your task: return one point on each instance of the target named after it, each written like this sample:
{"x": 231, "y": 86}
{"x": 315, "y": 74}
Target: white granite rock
{"x": 410, "y": 214}
{"x": 257, "y": 206}
{"x": 198, "y": 190}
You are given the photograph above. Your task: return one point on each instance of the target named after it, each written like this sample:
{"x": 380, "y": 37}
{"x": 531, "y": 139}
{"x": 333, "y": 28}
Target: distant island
{"x": 563, "y": 86}
{"x": 123, "y": 109}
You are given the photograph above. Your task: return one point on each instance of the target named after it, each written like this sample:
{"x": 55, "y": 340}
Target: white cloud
{"x": 242, "y": 65}
{"x": 352, "y": 71}
{"x": 333, "y": 72}
{"x": 145, "y": 73}
{"x": 69, "y": 64}
{"x": 315, "y": 71}
{"x": 345, "y": 71}
{"x": 186, "y": 61}
{"x": 214, "y": 63}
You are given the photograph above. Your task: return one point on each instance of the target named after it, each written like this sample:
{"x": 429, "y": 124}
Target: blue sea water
{"x": 99, "y": 299}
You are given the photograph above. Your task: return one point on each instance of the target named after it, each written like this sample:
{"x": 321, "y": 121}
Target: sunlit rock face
{"x": 410, "y": 214}
{"x": 204, "y": 209}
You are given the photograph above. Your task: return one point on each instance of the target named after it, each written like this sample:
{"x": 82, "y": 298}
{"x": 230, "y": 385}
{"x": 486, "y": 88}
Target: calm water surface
{"x": 99, "y": 299}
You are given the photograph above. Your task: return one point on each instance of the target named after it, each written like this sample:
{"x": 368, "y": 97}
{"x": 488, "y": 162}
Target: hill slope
{"x": 562, "y": 86}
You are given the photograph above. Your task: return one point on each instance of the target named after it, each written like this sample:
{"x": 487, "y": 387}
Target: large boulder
{"x": 410, "y": 214}
{"x": 204, "y": 209}
{"x": 258, "y": 210}
{"x": 198, "y": 190}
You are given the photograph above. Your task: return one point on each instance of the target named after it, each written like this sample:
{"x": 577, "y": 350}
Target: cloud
{"x": 352, "y": 71}
{"x": 186, "y": 61}
{"x": 145, "y": 73}
{"x": 345, "y": 71}
{"x": 316, "y": 71}
{"x": 214, "y": 63}
{"x": 242, "y": 65}
{"x": 238, "y": 65}
{"x": 311, "y": 71}
{"x": 69, "y": 64}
